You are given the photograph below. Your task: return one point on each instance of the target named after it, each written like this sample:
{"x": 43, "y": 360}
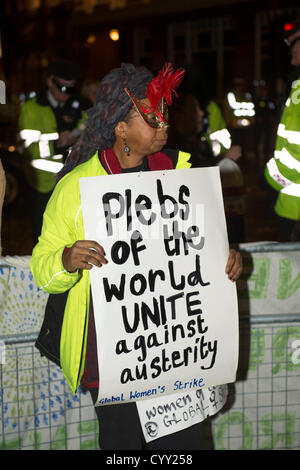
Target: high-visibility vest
{"x": 37, "y": 133}
{"x": 218, "y": 135}
{"x": 283, "y": 169}
{"x": 231, "y": 175}
{"x": 239, "y": 110}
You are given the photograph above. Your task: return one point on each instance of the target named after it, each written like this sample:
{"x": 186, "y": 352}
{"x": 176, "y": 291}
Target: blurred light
{"x": 22, "y": 98}
{"x": 243, "y": 122}
{"x": 239, "y": 104}
{"x": 216, "y": 148}
{"x": 289, "y": 26}
{"x": 32, "y": 94}
{"x": 44, "y": 62}
{"x": 91, "y": 39}
{"x": 244, "y": 112}
{"x": 222, "y": 136}
{"x": 114, "y": 34}
{"x": 11, "y": 148}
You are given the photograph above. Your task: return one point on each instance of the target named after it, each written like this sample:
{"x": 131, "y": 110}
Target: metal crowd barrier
{"x": 37, "y": 411}
{"x": 263, "y": 408}
{"x": 262, "y": 411}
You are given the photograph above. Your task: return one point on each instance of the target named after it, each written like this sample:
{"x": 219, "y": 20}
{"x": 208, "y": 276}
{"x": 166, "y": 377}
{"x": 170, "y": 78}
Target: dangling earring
{"x": 126, "y": 148}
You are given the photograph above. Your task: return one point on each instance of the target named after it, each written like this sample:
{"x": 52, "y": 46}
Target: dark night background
{"x": 223, "y": 39}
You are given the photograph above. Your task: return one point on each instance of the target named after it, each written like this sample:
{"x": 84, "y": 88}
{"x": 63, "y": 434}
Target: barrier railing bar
{"x": 269, "y": 247}
{"x": 272, "y": 318}
{"x": 19, "y": 338}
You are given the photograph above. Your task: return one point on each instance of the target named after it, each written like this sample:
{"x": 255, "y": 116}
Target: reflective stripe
{"x": 231, "y": 100}
{"x": 54, "y": 275}
{"x": 222, "y": 136}
{"x": 57, "y": 157}
{"x": 286, "y": 158}
{"x": 293, "y": 137}
{"x": 241, "y": 108}
{"x": 244, "y": 112}
{"x": 44, "y": 148}
{"x": 77, "y": 217}
{"x": 47, "y": 165}
{"x": 50, "y": 136}
{"x": 44, "y": 143}
{"x": 216, "y": 148}
{"x": 276, "y": 175}
{"x": 238, "y": 104}
{"x": 292, "y": 190}
{"x": 31, "y": 135}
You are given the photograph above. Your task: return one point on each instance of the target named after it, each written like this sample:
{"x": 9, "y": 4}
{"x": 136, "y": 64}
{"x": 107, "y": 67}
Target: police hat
{"x": 64, "y": 69}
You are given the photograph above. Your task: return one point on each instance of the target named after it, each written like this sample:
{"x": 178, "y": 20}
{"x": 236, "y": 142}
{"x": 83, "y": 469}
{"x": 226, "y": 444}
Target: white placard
{"x": 166, "y": 415}
{"x": 165, "y": 312}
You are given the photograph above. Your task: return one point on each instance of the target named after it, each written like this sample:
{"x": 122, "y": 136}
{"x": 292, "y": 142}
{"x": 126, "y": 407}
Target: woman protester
{"x": 126, "y": 132}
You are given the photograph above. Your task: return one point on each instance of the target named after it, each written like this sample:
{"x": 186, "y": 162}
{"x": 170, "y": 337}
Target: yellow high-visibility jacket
{"x": 63, "y": 226}
{"x": 283, "y": 170}
{"x": 219, "y": 136}
{"x": 38, "y": 131}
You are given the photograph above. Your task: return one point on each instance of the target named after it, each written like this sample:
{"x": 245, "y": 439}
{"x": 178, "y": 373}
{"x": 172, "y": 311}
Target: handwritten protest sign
{"x": 165, "y": 313}
{"x": 173, "y": 413}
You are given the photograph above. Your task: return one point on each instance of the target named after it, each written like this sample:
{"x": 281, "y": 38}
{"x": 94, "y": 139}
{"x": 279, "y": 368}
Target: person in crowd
{"x": 2, "y": 194}
{"x": 218, "y": 135}
{"x": 265, "y": 115}
{"x": 48, "y": 126}
{"x": 125, "y": 133}
{"x": 239, "y": 113}
{"x": 282, "y": 171}
{"x": 89, "y": 90}
{"x": 197, "y": 91}
{"x": 189, "y": 132}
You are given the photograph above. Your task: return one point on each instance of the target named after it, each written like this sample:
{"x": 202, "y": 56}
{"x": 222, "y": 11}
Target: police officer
{"x": 283, "y": 169}
{"x": 48, "y": 125}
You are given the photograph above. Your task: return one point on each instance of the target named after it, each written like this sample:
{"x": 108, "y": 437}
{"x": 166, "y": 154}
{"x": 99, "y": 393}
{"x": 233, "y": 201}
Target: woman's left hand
{"x": 234, "y": 265}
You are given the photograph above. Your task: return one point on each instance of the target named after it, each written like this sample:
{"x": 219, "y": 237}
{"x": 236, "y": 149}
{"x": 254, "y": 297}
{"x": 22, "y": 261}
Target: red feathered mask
{"x": 162, "y": 86}
{"x": 159, "y": 92}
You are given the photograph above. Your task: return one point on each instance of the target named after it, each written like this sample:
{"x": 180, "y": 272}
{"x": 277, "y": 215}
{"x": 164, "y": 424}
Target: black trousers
{"x": 120, "y": 429}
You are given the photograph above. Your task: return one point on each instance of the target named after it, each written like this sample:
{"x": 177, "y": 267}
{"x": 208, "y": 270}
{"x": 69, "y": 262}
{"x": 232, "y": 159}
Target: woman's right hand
{"x": 84, "y": 254}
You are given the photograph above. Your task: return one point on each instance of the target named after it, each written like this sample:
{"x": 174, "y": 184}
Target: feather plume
{"x": 163, "y": 85}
